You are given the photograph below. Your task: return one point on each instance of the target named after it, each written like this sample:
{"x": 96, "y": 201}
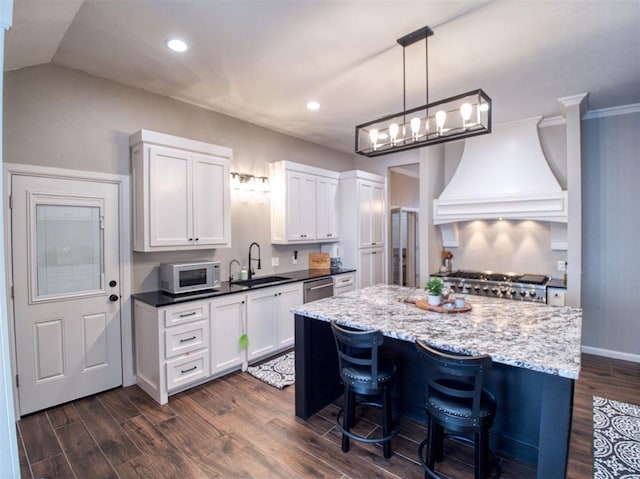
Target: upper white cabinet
{"x": 181, "y": 193}
{"x": 371, "y": 213}
{"x": 304, "y": 203}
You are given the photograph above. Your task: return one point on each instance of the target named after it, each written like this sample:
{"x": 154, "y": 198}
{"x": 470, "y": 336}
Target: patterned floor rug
{"x": 279, "y": 372}
{"x": 616, "y": 439}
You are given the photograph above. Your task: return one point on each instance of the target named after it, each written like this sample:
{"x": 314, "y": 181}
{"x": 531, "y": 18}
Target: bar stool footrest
{"x": 371, "y": 440}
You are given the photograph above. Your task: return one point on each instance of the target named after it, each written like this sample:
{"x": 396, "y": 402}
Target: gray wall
{"x": 58, "y": 117}
{"x": 404, "y": 190}
{"x": 611, "y": 232}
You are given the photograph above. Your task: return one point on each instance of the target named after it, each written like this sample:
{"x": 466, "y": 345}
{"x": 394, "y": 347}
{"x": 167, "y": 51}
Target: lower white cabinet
{"x": 172, "y": 346}
{"x": 270, "y": 325}
{"x": 343, "y": 283}
{"x": 556, "y": 296}
{"x": 183, "y": 345}
{"x": 228, "y": 323}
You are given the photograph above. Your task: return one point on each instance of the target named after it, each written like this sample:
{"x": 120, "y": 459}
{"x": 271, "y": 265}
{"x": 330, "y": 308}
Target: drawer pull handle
{"x": 188, "y": 370}
{"x": 187, "y": 339}
{"x": 186, "y": 315}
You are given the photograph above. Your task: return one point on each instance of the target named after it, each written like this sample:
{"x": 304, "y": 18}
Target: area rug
{"x": 616, "y": 439}
{"x": 278, "y": 372}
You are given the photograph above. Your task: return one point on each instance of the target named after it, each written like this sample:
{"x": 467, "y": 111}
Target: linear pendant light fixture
{"x": 455, "y": 118}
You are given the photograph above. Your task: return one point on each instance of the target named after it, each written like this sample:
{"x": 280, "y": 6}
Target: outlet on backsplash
{"x": 562, "y": 265}
{"x": 275, "y": 261}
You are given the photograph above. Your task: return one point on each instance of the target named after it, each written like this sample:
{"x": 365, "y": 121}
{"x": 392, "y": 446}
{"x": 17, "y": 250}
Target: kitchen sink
{"x": 260, "y": 281}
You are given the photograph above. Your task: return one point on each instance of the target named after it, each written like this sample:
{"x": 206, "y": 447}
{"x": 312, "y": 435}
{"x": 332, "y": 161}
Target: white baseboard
{"x": 611, "y": 354}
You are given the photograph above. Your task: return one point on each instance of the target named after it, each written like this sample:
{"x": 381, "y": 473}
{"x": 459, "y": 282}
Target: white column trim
{"x": 572, "y": 108}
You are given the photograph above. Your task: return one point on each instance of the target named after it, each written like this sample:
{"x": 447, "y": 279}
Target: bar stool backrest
{"x": 455, "y": 376}
{"x": 358, "y": 349}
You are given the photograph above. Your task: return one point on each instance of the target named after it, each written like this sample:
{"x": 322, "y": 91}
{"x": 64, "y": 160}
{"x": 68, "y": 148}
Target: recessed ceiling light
{"x": 313, "y": 105}
{"x": 176, "y": 45}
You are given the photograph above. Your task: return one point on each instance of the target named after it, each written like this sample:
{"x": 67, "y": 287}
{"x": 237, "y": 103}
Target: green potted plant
{"x": 434, "y": 289}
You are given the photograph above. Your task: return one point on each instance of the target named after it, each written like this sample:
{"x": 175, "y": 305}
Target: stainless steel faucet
{"x": 251, "y": 272}
{"x": 231, "y": 264}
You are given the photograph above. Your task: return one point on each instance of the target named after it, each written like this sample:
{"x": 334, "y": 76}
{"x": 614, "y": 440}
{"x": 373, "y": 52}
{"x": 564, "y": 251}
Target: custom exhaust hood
{"x": 504, "y": 175}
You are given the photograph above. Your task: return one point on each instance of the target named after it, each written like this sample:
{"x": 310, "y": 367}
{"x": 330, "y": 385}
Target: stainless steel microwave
{"x": 176, "y": 278}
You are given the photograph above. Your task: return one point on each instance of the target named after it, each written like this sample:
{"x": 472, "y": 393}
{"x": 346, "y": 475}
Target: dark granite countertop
{"x": 160, "y": 298}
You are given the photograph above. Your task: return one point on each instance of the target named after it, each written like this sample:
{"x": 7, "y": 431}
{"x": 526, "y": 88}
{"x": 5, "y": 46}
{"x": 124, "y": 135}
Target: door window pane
{"x": 68, "y": 249}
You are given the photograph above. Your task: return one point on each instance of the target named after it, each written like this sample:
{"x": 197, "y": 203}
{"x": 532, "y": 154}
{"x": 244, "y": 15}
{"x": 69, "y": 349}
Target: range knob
{"x": 485, "y": 288}
{"x": 512, "y": 292}
{"x": 523, "y": 293}
{"x": 477, "y": 288}
{"x": 460, "y": 285}
{"x": 532, "y": 294}
{"x": 453, "y": 287}
{"x": 504, "y": 290}
{"x": 494, "y": 290}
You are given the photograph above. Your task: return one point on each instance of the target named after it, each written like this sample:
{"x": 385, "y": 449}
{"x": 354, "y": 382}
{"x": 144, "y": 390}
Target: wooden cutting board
{"x": 423, "y": 304}
{"x": 319, "y": 261}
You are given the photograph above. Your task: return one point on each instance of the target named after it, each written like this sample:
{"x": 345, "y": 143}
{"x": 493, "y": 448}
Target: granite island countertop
{"x": 523, "y": 334}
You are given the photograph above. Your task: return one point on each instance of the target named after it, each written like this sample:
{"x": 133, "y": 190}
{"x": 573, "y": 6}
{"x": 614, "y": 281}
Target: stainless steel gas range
{"x": 524, "y": 287}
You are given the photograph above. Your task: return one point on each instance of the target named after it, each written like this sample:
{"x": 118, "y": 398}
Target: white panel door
{"x": 301, "y": 206}
{"x": 210, "y": 190}
{"x": 170, "y": 202}
{"x": 289, "y": 296}
{"x": 261, "y": 323}
{"x": 66, "y": 280}
{"x": 377, "y": 215}
{"x": 326, "y": 208}
{"x": 228, "y": 324}
{"x": 365, "y": 236}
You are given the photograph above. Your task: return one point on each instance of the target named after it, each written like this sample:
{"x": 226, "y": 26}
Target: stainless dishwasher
{"x": 317, "y": 289}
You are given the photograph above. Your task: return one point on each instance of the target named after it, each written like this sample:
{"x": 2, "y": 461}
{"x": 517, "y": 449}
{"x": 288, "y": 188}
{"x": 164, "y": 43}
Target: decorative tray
{"x": 424, "y": 304}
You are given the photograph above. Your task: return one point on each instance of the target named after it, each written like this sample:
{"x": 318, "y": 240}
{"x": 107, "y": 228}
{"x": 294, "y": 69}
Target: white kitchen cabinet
{"x": 304, "y": 203}
{"x": 228, "y": 323}
{"x": 363, "y": 226}
{"x": 289, "y": 296}
{"x": 370, "y": 267}
{"x": 327, "y": 208}
{"x": 301, "y": 204}
{"x": 343, "y": 283}
{"x": 371, "y": 213}
{"x": 269, "y": 322}
{"x": 556, "y": 296}
{"x": 172, "y": 347}
{"x": 181, "y": 193}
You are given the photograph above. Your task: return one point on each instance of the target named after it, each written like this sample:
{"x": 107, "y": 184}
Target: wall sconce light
{"x": 247, "y": 183}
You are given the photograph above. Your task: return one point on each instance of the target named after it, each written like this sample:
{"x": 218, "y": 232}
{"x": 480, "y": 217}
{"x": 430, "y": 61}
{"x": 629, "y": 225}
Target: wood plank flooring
{"x": 239, "y": 427}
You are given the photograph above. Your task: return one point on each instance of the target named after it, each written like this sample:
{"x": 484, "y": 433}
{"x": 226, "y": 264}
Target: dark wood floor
{"x": 238, "y": 427}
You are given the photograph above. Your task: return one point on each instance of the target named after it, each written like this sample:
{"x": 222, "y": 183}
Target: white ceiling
{"x": 262, "y": 60}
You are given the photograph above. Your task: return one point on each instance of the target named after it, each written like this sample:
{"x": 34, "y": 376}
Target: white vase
{"x": 434, "y": 300}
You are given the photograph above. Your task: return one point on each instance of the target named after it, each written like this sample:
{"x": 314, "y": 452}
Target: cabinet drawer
{"x": 344, "y": 280}
{"x": 186, "y": 338}
{"x": 192, "y": 312}
{"x": 184, "y": 370}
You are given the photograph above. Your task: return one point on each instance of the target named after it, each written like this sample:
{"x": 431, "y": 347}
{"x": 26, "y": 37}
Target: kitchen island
{"x": 535, "y": 349}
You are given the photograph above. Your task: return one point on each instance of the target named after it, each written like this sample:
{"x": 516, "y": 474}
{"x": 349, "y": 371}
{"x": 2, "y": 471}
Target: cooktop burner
{"x": 526, "y": 287}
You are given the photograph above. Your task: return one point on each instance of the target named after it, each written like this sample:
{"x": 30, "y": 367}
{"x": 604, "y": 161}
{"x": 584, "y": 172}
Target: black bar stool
{"x": 367, "y": 381}
{"x": 456, "y": 402}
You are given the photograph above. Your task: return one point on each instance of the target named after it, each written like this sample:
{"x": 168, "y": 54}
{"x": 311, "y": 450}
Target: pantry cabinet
{"x": 181, "y": 193}
{"x": 363, "y": 230}
{"x": 304, "y": 203}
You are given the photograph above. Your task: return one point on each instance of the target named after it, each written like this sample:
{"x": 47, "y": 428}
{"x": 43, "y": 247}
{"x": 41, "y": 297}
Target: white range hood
{"x": 503, "y": 175}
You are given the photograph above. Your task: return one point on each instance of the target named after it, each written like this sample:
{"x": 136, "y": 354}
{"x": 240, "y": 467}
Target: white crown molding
{"x": 613, "y": 111}
{"x": 552, "y": 121}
